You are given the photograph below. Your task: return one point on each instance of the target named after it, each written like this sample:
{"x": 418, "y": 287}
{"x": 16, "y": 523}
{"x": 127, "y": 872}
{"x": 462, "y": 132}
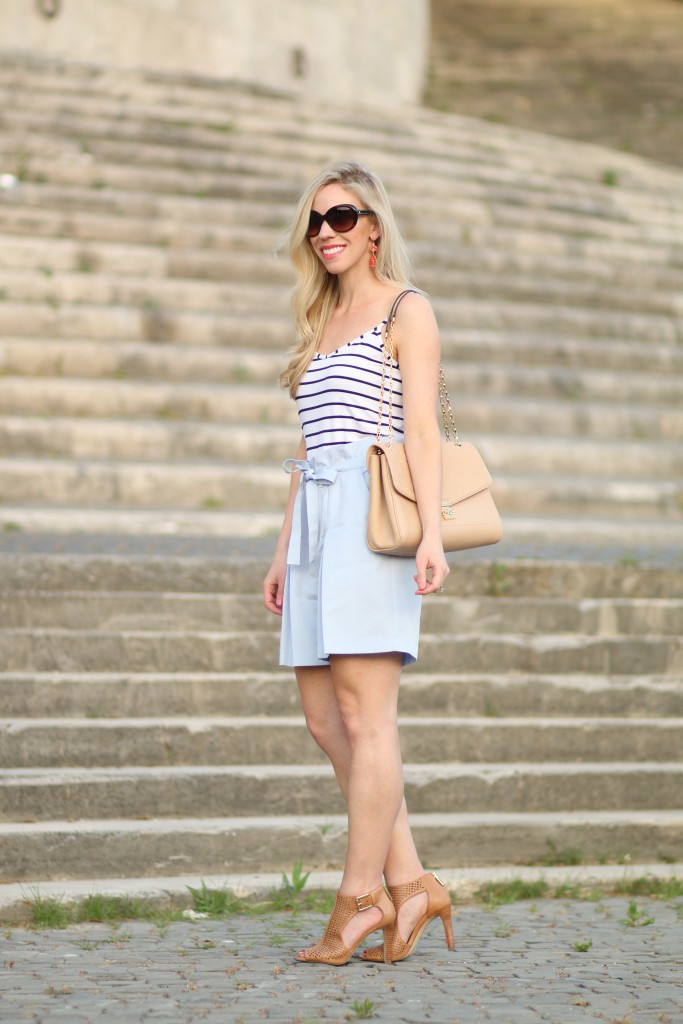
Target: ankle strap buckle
{"x": 364, "y": 902}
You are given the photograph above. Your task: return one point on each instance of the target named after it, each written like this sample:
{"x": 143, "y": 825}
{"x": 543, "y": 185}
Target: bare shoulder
{"x": 415, "y": 320}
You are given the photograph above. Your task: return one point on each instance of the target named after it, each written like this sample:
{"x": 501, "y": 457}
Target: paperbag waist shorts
{"x": 340, "y": 597}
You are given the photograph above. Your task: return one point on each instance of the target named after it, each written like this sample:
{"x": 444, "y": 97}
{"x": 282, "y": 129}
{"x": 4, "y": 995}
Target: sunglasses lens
{"x": 342, "y": 218}
{"x": 315, "y": 222}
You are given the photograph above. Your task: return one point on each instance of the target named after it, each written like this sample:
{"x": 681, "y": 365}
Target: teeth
{"x": 337, "y": 248}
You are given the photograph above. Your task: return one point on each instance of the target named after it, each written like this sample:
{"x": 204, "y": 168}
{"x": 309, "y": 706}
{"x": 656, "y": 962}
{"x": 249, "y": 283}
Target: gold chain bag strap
{"x": 469, "y": 517}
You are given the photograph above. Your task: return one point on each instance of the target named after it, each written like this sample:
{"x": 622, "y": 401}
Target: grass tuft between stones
{"x": 219, "y": 903}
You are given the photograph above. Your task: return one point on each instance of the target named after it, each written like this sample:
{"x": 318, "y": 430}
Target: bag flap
{"x": 464, "y": 472}
{"x": 463, "y": 469}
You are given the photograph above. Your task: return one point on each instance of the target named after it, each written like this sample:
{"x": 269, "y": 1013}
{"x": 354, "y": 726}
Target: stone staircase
{"x": 147, "y": 732}
{"x": 145, "y": 728}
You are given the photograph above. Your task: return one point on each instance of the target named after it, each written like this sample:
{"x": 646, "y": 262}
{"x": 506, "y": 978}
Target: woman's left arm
{"x": 417, "y": 348}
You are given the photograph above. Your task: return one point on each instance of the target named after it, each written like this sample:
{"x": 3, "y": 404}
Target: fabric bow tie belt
{"x": 310, "y": 513}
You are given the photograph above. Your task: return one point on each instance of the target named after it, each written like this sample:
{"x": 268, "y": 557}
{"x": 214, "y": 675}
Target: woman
{"x": 351, "y": 616}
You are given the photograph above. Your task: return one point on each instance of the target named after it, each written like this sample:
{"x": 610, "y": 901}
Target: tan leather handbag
{"x": 469, "y": 517}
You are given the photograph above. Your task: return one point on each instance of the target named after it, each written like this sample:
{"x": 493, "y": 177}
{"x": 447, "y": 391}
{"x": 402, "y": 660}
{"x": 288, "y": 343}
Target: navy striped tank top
{"x": 338, "y": 397}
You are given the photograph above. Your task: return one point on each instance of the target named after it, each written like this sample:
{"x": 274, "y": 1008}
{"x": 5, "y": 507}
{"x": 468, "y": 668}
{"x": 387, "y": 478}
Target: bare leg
{"x": 324, "y": 720}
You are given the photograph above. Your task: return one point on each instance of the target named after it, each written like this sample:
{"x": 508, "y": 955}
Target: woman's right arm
{"x": 274, "y": 583}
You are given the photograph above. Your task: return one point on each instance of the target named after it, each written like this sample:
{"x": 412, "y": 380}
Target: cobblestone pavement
{"x": 517, "y": 964}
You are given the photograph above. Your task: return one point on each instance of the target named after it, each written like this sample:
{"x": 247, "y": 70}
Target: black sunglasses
{"x": 341, "y": 218}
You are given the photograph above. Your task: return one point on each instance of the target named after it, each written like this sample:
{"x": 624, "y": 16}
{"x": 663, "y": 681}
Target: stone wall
{"x": 371, "y": 52}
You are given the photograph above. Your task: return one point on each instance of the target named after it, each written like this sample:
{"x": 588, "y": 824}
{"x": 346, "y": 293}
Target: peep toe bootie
{"x": 439, "y": 905}
{"x": 331, "y": 949}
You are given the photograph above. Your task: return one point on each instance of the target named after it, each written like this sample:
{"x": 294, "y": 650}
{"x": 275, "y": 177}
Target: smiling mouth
{"x": 331, "y": 250}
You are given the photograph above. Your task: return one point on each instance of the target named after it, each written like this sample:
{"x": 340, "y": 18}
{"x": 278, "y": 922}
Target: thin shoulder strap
{"x": 396, "y": 303}
{"x": 388, "y": 355}
{"x": 444, "y": 397}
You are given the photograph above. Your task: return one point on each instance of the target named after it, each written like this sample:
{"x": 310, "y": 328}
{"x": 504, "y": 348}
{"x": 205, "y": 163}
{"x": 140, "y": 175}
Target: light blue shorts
{"x": 341, "y": 597}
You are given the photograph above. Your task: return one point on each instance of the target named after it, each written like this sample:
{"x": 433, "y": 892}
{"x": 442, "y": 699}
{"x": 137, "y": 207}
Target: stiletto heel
{"x": 388, "y": 943}
{"x": 331, "y": 949}
{"x": 447, "y": 920}
{"x": 438, "y": 905}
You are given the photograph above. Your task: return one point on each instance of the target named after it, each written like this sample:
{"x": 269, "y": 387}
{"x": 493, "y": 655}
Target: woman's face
{"x": 339, "y": 251}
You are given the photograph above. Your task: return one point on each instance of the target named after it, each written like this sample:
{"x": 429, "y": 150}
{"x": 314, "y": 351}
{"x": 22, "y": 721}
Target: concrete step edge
{"x": 234, "y": 570}
{"x": 454, "y": 601}
{"x": 418, "y": 680}
{"x": 199, "y": 723}
{"x": 463, "y": 883}
{"x": 58, "y": 776}
{"x": 645, "y": 541}
{"x": 214, "y": 826}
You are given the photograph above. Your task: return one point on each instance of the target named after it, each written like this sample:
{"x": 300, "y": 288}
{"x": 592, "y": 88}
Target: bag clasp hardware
{"x": 446, "y": 511}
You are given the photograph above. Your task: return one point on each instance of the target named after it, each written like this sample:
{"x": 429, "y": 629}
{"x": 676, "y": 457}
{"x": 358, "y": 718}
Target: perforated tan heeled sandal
{"x": 331, "y": 949}
{"x": 439, "y": 905}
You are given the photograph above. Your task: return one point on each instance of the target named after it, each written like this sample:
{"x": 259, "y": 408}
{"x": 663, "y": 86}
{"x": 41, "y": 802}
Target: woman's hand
{"x": 274, "y": 584}
{"x": 430, "y": 555}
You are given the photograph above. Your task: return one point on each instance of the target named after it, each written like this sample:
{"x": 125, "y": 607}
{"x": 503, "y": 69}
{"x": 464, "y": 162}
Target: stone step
{"x": 285, "y": 740}
{"x": 143, "y": 206}
{"x": 153, "y": 322}
{"x": 60, "y": 849}
{"x": 105, "y": 91}
{"x": 44, "y": 650}
{"x": 269, "y": 132}
{"x": 132, "y": 144}
{"x": 78, "y": 794}
{"x": 206, "y": 651}
{"x": 104, "y": 96}
{"x": 420, "y": 216}
{"x": 219, "y": 238}
{"x": 29, "y": 531}
{"x": 212, "y": 365}
{"x": 47, "y": 78}
{"x": 215, "y": 182}
{"x": 140, "y": 610}
{"x": 120, "y": 260}
{"x": 597, "y": 264}
{"x": 562, "y": 352}
{"x": 47, "y": 357}
{"x": 274, "y": 693}
{"x": 437, "y": 266}
{"x": 59, "y": 220}
{"x": 211, "y": 485}
{"x": 239, "y": 574}
{"x": 88, "y": 283}
{"x": 152, "y": 135}
{"x": 156, "y": 441}
{"x": 135, "y": 400}
{"x": 150, "y": 293}
{"x": 248, "y": 403}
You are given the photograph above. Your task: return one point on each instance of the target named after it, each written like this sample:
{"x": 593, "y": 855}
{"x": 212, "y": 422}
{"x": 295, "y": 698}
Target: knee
{"x": 321, "y": 730}
{"x": 359, "y": 725}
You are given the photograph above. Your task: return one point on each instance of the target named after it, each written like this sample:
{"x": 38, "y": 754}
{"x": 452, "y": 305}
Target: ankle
{"x": 358, "y": 889}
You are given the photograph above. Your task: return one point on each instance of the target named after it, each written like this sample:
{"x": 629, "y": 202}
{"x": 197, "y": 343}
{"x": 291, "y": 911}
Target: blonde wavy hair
{"x": 316, "y": 293}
